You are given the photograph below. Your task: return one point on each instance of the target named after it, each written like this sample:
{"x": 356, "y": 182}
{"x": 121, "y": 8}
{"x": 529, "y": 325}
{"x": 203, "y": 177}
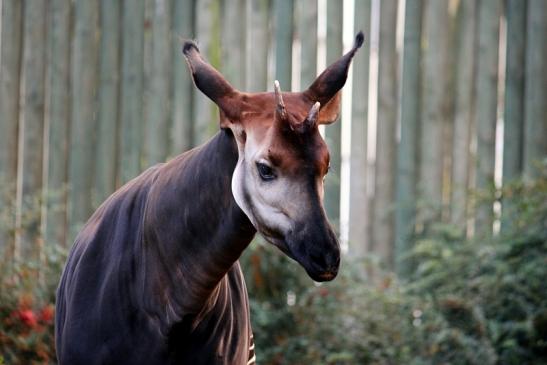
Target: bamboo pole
{"x": 284, "y": 13}
{"x": 406, "y": 179}
{"x": 32, "y": 129}
{"x": 108, "y": 97}
{"x": 147, "y": 91}
{"x": 83, "y": 129}
{"x": 58, "y": 120}
{"x": 433, "y": 108}
{"x": 463, "y": 113}
{"x": 205, "y": 111}
{"x": 535, "y": 104}
{"x": 382, "y": 219}
{"x": 182, "y": 27}
{"x": 359, "y": 201}
{"x": 158, "y": 99}
{"x": 307, "y": 34}
{"x": 233, "y": 46}
{"x": 333, "y": 133}
{"x": 513, "y": 127}
{"x": 9, "y": 111}
{"x": 131, "y": 90}
{"x": 486, "y": 84}
{"x": 258, "y": 44}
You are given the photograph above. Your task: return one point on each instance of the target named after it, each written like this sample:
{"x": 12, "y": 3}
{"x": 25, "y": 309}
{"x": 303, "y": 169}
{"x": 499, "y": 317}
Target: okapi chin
{"x": 153, "y": 277}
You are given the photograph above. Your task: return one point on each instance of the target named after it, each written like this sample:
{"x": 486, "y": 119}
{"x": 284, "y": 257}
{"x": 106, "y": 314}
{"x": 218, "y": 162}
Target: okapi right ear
{"x": 326, "y": 86}
{"x": 212, "y": 83}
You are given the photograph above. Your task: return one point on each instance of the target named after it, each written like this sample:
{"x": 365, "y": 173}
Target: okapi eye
{"x": 266, "y": 173}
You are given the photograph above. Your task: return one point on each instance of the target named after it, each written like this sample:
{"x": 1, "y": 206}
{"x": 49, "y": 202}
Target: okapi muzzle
{"x": 278, "y": 179}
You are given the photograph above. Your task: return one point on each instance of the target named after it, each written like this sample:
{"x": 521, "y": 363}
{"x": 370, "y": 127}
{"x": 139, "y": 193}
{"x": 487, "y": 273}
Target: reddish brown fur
{"x": 287, "y": 150}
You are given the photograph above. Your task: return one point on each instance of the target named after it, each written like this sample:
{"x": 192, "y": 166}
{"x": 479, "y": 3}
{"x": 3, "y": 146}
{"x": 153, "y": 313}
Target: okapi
{"x": 153, "y": 277}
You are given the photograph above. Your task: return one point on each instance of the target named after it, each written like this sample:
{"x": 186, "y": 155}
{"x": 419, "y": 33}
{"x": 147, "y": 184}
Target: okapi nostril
{"x": 325, "y": 263}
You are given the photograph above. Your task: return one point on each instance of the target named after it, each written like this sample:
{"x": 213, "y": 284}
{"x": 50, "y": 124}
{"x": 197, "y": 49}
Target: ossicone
{"x": 280, "y": 109}
{"x": 311, "y": 121}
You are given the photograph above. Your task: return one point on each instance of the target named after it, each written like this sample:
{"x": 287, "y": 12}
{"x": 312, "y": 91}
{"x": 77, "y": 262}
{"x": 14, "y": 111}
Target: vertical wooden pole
{"x": 487, "y": 83}
{"x": 157, "y": 130}
{"x": 147, "y": 92}
{"x": 32, "y": 127}
{"x": 448, "y": 111}
{"x": 382, "y": 230}
{"x": 205, "y": 120}
{"x": 284, "y": 10}
{"x": 333, "y": 133}
{"x": 233, "y": 46}
{"x": 513, "y": 127}
{"x": 535, "y": 104}
{"x": 433, "y": 107}
{"x": 407, "y": 167}
{"x": 10, "y": 67}
{"x": 307, "y": 33}
{"x": 58, "y": 120}
{"x": 258, "y": 44}
{"x": 109, "y": 82}
{"x": 182, "y": 27}
{"x": 131, "y": 90}
{"x": 359, "y": 202}
{"x": 83, "y": 129}
{"x": 463, "y": 111}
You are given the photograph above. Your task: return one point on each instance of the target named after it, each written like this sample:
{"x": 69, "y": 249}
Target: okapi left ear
{"x": 325, "y": 89}
{"x": 212, "y": 84}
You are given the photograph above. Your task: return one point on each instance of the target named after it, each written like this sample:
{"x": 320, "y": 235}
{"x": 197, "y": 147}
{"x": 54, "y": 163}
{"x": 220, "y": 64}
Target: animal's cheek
{"x": 239, "y": 190}
{"x": 321, "y": 188}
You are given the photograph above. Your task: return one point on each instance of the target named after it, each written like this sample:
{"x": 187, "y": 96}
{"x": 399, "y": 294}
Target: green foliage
{"x": 27, "y": 309}
{"x": 469, "y": 301}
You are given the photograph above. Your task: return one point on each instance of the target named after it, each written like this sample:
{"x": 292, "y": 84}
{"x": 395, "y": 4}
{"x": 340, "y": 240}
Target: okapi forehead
{"x": 286, "y": 148}
{"x": 298, "y": 153}
{"x": 259, "y": 108}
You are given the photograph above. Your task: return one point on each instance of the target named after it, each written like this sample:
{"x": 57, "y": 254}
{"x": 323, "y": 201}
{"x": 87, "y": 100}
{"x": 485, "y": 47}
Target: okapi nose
{"x": 328, "y": 263}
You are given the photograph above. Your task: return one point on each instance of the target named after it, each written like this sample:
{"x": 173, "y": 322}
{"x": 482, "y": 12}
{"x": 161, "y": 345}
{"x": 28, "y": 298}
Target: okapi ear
{"x": 212, "y": 84}
{"x": 330, "y": 112}
{"x": 326, "y": 86}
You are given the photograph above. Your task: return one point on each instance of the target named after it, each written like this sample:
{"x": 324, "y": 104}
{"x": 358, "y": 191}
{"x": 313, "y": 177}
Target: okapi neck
{"x": 194, "y": 231}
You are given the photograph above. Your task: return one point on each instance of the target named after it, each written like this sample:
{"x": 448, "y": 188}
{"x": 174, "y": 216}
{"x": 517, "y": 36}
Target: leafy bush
{"x": 27, "y": 309}
{"x": 351, "y": 321}
{"x": 469, "y": 301}
{"x": 493, "y": 286}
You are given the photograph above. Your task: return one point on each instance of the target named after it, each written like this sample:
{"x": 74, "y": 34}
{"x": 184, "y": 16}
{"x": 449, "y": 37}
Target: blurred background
{"x": 438, "y": 186}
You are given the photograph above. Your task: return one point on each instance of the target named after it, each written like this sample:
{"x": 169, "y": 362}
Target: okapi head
{"x": 283, "y": 160}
